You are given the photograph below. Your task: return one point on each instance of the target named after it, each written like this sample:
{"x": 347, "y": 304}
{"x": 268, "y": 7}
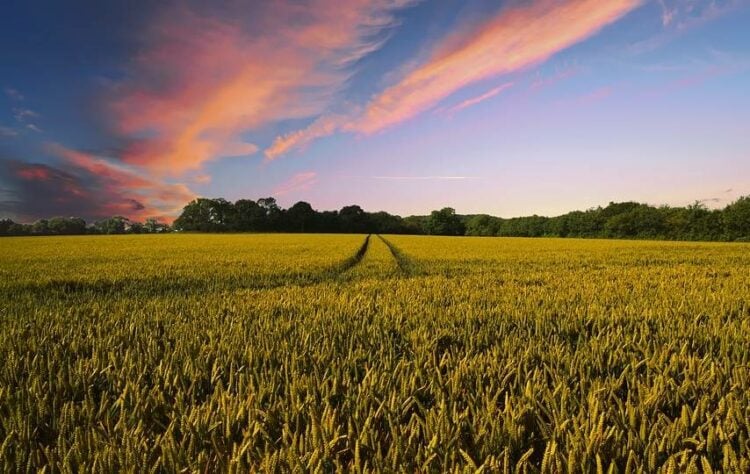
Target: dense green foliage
{"x": 265, "y": 215}
{"x": 77, "y": 226}
{"x": 628, "y": 220}
{"x": 312, "y": 353}
{"x": 617, "y": 220}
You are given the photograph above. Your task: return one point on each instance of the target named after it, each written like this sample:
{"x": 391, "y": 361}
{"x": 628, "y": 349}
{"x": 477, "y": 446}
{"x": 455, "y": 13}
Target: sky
{"x": 502, "y": 107}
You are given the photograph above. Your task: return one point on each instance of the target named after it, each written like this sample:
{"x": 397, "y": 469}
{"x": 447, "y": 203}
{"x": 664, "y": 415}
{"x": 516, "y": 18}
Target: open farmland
{"x": 324, "y": 353}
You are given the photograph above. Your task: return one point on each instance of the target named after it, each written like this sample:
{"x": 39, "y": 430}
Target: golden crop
{"x": 325, "y": 353}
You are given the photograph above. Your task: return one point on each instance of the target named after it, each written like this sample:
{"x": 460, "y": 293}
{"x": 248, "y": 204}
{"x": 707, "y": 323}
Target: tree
{"x": 40, "y": 227}
{"x": 445, "y": 222}
{"x": 5, "y": 225}
{"x": 327, "y": 221}
{"x": 135, "y": 228}
{"x": 639, "y": 221}
{"x": 153, "y": 226}
{"x": 583, "y": 223}
{"x": 249, "y": 216}
{"x": 736, "y": 218}
{"x": 353, "y": 219}
{"x": 206, "y": 215}
{"x": 66, "y": 226}
{"x": 482, "y": 225}
{"x": 273, "y": 213}
{"x": 415, "y": 224}
{"x": 300, "y": 217}
{"x": 19, "y": 229}
{"x": 113, "y": 225}
{"x": 384, "y": 223}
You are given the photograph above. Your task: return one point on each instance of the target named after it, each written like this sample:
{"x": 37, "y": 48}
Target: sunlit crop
{"x": 330, "y": 353}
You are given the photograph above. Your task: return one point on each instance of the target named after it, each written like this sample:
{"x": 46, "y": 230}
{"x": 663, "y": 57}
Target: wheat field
{"x": 354, "y": 353}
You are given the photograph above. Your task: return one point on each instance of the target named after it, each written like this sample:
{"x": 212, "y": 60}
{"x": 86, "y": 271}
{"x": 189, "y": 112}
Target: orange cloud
{"x": 202, "y": 81}
{"x": 322, "y": 127}
{"x": 298, "y": 182}
{"x": 480, "y": 98}
{"x": 121, "y": 191}
{"x": 202, "y": 179}
{"x": 34, "y": 172}
{"x": 516, "y": 38}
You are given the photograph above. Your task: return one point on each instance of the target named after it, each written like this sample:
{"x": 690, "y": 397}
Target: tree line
{"x": 627, "y": 220}
{"x": 630, "y": 220}
{"x": 78, "y": 226}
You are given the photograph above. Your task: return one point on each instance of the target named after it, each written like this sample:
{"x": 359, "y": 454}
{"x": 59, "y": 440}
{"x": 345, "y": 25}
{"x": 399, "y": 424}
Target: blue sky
{"x": 507, "y": 108}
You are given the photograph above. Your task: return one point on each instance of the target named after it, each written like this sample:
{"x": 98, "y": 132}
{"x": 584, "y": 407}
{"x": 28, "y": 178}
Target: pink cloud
{"x": 516, "y": 38}
{"x": 34, "y": 172}
{"x": 480, "y": 98}
{"x": 298, "y": 182}
{"x": 121, "y": 190}
{"x": 202, "y": 179}
{"x": 322, "y": 127}
{"x": 202, "y": 81}
{"x": 425, "y": 178}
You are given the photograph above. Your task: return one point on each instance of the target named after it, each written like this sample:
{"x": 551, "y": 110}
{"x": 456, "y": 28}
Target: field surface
{"x": 354, "y": 353}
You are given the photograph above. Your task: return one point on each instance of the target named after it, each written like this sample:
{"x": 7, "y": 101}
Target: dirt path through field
{"x": 405, "y": 264}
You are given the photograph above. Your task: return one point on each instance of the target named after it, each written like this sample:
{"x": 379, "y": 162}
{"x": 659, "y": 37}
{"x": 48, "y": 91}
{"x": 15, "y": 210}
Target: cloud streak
{"x": 121, "y": 183}
{"x": 13, "y": 94}
{"x": 8, "y": 132}
{"x": 514, "y": 39}
{"x": 480, "y": 98}
{"x": 88, "y": 186}
{"x": 298, "y": 182}
{"x": 682, "y": 14}
{"x": 202, "y": 80}
{"x": 321, "y": 127}
{"x": 425, "y": 178}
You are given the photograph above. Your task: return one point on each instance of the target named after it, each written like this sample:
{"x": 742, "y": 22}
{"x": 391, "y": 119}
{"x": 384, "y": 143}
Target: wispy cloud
{"x": 94, "y": 187}
{"x": 724, "y": 197}
{"x": 699, "y": 71}
{"x": 13, "y": 94}
{"x": 480, "y": 98}
{"x": 425, "y": 178}
{"x": 298, "y": 182}
{"x": 201, "y": 80}
{"x": 202, "y": 179}
{"x": 321, "y": 127}
{"x": 542, "y": 81}
{"x": 516, "y": 38}
{"x": 24, "y": 115}
{"x": 683, "y": 14}
{"x": 680, "y": 16}
{"x": 8, "y": 132}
